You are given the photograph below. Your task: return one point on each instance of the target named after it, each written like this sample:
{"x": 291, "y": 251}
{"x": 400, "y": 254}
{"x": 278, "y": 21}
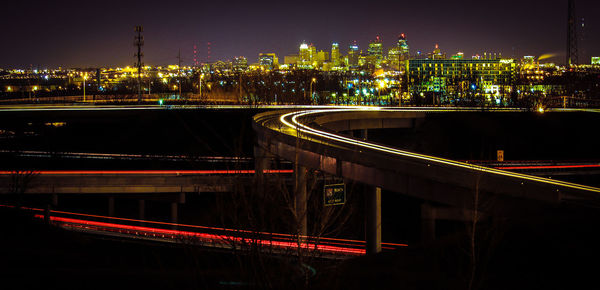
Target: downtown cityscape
{"x": 314, "y": 145}
{"x": 374, "y": 75}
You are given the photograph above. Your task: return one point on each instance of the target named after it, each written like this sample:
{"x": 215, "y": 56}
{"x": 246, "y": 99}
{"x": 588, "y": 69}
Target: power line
{"x": 139, "y": 42}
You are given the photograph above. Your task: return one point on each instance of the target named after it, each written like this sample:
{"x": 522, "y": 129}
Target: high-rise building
{"x": 320, "y": 58}
{"x": 397, "y": 56}
{"x": 596, "y": 60}
{"x": 353, "y": 55}
{"x": 375, "y": 52}
{"x": 436, "y": 54}
{"x": 304, "y": 56}
{"x": 404, "y": 49}
{"x": 239, "y": 63}
{"x": 268, "y": 60}
{"x": 308, "y": 56}
{"x": 335, "y": 54}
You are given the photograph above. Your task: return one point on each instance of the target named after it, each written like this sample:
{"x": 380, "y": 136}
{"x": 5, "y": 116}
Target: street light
{"x": 200, "y": 77}
{"x": 314, "y": 80}
{"x": 84, "y": 78}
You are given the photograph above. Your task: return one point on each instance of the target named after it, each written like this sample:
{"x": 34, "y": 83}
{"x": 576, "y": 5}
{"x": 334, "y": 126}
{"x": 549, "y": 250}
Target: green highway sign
{"x": 334, "y": 194}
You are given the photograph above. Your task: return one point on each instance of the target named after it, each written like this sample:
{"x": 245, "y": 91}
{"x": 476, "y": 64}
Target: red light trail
{"x": 147, "y": 172}
{"x": 227, "y": 237}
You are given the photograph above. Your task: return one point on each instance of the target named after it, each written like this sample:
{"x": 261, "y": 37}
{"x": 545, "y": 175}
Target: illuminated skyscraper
{"x": 436, "y": 54}
{"x": 308, "y": 56}
{"x": 353, "y": 55}
{"x": 239, "y": 63}
{"x": 304, "y": 56}
{"x": 397, "y": 56}
{"x": 335, "y": 54}
{"x": 375, "y": 52}
{"x": 403, "y": 45}
{"x": 268, "y": 60}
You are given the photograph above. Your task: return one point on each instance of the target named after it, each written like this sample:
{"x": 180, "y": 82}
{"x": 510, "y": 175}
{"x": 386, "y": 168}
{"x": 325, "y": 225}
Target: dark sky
{"x": 100, "y": 33}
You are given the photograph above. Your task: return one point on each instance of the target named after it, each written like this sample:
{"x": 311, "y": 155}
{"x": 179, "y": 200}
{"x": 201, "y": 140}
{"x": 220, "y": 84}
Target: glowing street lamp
{"x": 84, "y": 78}
{"x": 314, "y": 80}
{"x": 200, "y": 77}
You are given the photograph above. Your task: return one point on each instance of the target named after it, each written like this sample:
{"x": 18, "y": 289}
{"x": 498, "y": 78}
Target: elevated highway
{"x": 316, "y": 139}
{"x": 322, "y": 139}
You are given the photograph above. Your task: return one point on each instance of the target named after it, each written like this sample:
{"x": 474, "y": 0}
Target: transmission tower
{"x": 571, "y": 35}
{"x": 139, "y": 42}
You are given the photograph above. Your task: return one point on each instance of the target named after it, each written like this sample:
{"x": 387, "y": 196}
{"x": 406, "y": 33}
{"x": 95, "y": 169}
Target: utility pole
{"x": 240, "y": 97}
{"x": 179, "y": 71}
{"x": 571, "y": 35}
{"x": 139, "y": 42}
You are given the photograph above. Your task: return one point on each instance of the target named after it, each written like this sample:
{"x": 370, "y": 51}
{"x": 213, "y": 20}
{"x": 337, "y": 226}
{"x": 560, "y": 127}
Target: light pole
{"x": 311, "y": 90}
{"x": 200, "y": 77}
{"x": 84, "y": 78}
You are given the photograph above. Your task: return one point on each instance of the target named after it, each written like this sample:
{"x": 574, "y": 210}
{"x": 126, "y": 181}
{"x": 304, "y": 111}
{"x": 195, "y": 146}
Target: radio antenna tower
{"x": 571, "y": 35}
{"x": 208, "y": 52}
{"x": 195, "y": 56}
{"x": 139, "y": 42}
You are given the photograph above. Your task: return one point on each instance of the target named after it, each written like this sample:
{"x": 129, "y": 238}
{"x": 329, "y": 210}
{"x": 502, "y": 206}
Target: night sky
{"x": 49, "y": 34}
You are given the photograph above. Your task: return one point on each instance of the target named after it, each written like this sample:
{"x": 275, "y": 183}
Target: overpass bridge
{"x": 164, "y": 185}
{"x": 321, "y": 139}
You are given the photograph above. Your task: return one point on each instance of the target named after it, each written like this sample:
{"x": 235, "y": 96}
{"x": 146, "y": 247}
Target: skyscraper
{"x": 268, "y": 60}
{"x": 335, "y": 54}
{"x": 304, "y": 56}
{"x": 353, "y": 55}
{"x": 375, "y": 52}
{"x": 403, "y": 46}
{"x": 398, "y": 55}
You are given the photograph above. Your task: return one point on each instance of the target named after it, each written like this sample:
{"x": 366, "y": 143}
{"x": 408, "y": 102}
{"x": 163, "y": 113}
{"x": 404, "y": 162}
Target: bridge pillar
{"x": 111, "y": 206}
{"x": 54, "y": 200}
{"x": 364, "y": 134}
{"x": 428, "y": 217}
{"x": 301, "y": 201}
{"x": 174, "y": 208}
{"x": 142, "y": 209}
{"x": 373, "y": 220}
{"x": 261, "y": 163}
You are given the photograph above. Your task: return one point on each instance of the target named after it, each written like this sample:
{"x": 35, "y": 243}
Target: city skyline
{"x": 70, "y": 34}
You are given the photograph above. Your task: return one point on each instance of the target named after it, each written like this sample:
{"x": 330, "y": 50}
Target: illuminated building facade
{"x": 335, "y": 54}
{"x": 353, "y": 55}
{"x": 239, "y": 63}
{"x": 456, "y": 77}
{"x": 436, "y": 53}
{"x": 596, "y": 60}
{"x": 397, "y": 56}
{"x": 268, "y": 60}
{"x": 375, "y": 53}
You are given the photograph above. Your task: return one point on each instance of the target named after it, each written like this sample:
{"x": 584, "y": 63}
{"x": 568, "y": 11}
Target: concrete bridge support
{"x": 111, "y": 206}
{"x": 261, "y": 163}
{"x": 301, "y": 200}
{"x": 142, "y": 209}
{"x": 175, "y": 207}
{"x": 373, "y": 220}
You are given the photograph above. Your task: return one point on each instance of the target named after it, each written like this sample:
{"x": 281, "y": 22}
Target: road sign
{"x": 500, "y": 155}
{"x": 334, "y": 194}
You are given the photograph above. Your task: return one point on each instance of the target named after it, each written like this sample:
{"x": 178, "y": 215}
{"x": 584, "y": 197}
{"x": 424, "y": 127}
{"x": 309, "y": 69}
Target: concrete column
{"x": 373, "y": 220}
{"x": 428, "y": 217}
{"x": 142, "y": 209}
{"x": 54, "y": 201}
{"x": 111, "y": 206}
{"x": 301, "y": 201}
{"x": 174, "y": 207}
{"x": 365, "y": 134}
{"x": 261, "y": 163}
{"x": 47, "y": 214}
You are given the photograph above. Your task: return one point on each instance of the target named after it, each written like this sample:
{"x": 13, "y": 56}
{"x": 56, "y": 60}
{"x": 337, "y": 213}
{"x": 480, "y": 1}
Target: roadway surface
{"x": 316, "y": 140}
